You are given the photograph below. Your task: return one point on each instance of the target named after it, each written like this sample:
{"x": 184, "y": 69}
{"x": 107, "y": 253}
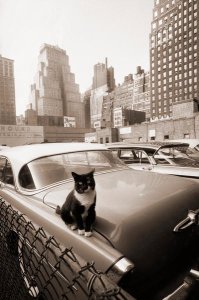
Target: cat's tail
{"x": 58, "y": 210}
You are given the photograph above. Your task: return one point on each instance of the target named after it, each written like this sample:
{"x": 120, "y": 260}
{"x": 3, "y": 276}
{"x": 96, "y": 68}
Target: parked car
{"x": 145, "y": 235}
{"x": 193, "y": 149}
{"x": 160, "y": 157}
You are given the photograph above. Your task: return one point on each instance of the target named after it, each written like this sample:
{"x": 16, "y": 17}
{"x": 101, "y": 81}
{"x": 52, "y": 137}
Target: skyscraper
{"x": 55, "y": 93}
{"x": 103, "y": 76}
{"x": 141, "y": 92}
{"x": 103, "y": 82}
{"x": 7, "y": 92}
{"x": 174, "y": 55}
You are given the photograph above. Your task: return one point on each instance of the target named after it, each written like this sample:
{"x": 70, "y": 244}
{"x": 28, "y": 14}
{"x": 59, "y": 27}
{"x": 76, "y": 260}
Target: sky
{"x": 89, "y": 31}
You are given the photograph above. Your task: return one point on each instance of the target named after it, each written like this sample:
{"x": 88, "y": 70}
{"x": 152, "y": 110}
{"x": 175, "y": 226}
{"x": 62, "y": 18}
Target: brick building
{"x": 141, "y": 92}
{"x": 174, "y": 55}
{"x": 7, "y": 92}
{"x": 130, "y": 96}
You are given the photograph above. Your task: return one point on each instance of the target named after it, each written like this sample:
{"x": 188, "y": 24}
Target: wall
{"x": 161, "y": 130}
{"x": 12, "y": 135}
{"x": 64, "y": 134}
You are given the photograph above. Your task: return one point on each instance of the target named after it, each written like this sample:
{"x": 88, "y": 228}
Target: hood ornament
{"x": 192, "y": 218}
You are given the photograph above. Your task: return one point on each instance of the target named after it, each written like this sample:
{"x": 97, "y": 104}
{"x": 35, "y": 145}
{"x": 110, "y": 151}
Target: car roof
{"x": 192, "y": 142}
{"x": 152, "y": 145}
{"x": 21, "y": 155}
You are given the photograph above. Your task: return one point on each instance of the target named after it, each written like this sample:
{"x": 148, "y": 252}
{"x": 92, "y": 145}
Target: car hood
{"x": 137, "y": 212}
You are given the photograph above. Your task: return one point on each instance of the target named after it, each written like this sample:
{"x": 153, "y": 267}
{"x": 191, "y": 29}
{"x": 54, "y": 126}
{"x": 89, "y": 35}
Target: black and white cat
{"x": 78, "y": 210}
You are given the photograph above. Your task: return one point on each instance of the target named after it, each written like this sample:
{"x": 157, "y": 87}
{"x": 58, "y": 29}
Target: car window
{"x": 142, "y": 156}
{"x": 126, "y": 153}
{"x": 197, "y": 147}
{"x": 25, "y": 178}
{"x": 2, "y": 166}
{"x": 78, "y": 158}
{"x": 175, "y": 155}
{"x": 6, "y": 174}
{"x": 48, "y": 170}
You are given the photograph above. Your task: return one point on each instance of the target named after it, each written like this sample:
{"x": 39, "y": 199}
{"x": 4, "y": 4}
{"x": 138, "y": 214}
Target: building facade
{"x": 141, "y": 92}
{"x": 127, "y": 98}
{"x": 174, "y": 55}
{"x": 7, "y": 92}
{"x": 55, "y": 93}
{"x": 86, "y": 100}
{"x": 103, "y": 82}
{"x": 103, "y": 75}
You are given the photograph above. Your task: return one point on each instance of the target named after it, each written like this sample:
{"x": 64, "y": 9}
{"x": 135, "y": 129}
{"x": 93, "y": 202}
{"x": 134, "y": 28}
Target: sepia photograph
{"x": 99, "y": 149}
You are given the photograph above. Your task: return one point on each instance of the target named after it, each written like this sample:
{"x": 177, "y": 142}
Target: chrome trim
{"x": 119, "y": 269}
{"x": 195, "y": 273}
{"x": 192, "y": 218}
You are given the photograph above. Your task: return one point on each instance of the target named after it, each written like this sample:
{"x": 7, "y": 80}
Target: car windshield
{"x": 51, "y": 169}
{"x": 175, "y": 155}
{"x": 197, "y": 147}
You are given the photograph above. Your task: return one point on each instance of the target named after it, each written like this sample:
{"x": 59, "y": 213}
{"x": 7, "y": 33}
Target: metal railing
{"x": 33, "y": 265}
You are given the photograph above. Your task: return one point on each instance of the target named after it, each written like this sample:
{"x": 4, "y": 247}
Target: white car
{"x": 161, "y": 157}
{"x": 193, "y": 150}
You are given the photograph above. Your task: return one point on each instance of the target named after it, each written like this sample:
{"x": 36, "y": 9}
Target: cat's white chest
{"x": 86, "y": 199}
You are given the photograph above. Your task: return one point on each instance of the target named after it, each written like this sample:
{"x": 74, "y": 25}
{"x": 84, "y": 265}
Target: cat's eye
{"x": 80, "y": 183}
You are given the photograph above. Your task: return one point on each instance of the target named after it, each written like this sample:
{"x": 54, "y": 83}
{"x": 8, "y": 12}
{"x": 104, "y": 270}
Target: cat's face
{"x": 84, "y": 182}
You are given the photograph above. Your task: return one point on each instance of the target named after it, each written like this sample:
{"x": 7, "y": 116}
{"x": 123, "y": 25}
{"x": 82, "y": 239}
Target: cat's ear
{"x": 75, "y": 175}
{"x": 92, "y": 171}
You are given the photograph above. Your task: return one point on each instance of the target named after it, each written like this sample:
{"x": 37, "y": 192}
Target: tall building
{"x": 7, "y": 92}
{"x": 103, "y": 76}
{"x": 141, "y": 92}
{"x": 174, "y": 55}
{"x": 86, "y": 100}
{"x": 103, "y": 82}
{"x": 55, "y": 95}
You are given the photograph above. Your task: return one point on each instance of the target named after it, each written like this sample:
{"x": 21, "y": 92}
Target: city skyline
{"x": 88, "y": 30}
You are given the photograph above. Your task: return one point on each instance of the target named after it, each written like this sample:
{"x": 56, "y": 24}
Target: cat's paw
{"x": 88, "y": 233}
{"x": 73, "y": 227}
{"x": 81, "y": 231}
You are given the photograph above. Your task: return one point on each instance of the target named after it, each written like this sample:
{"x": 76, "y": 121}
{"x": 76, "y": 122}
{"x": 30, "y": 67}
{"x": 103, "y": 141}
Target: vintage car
{"x": 193, "y": 148}
{"x": 145, "y": 236}
{"x": 162, "y": 157}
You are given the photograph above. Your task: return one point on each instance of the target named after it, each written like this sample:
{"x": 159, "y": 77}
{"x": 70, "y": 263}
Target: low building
{"x": 54, "y": 134}
{"x": 125, "y": 117}
{"x": 161, "y": 130}
{"x": 185, "y": 109}
{"x": 102, "y": 136}
{"x": 13, "y": 135}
